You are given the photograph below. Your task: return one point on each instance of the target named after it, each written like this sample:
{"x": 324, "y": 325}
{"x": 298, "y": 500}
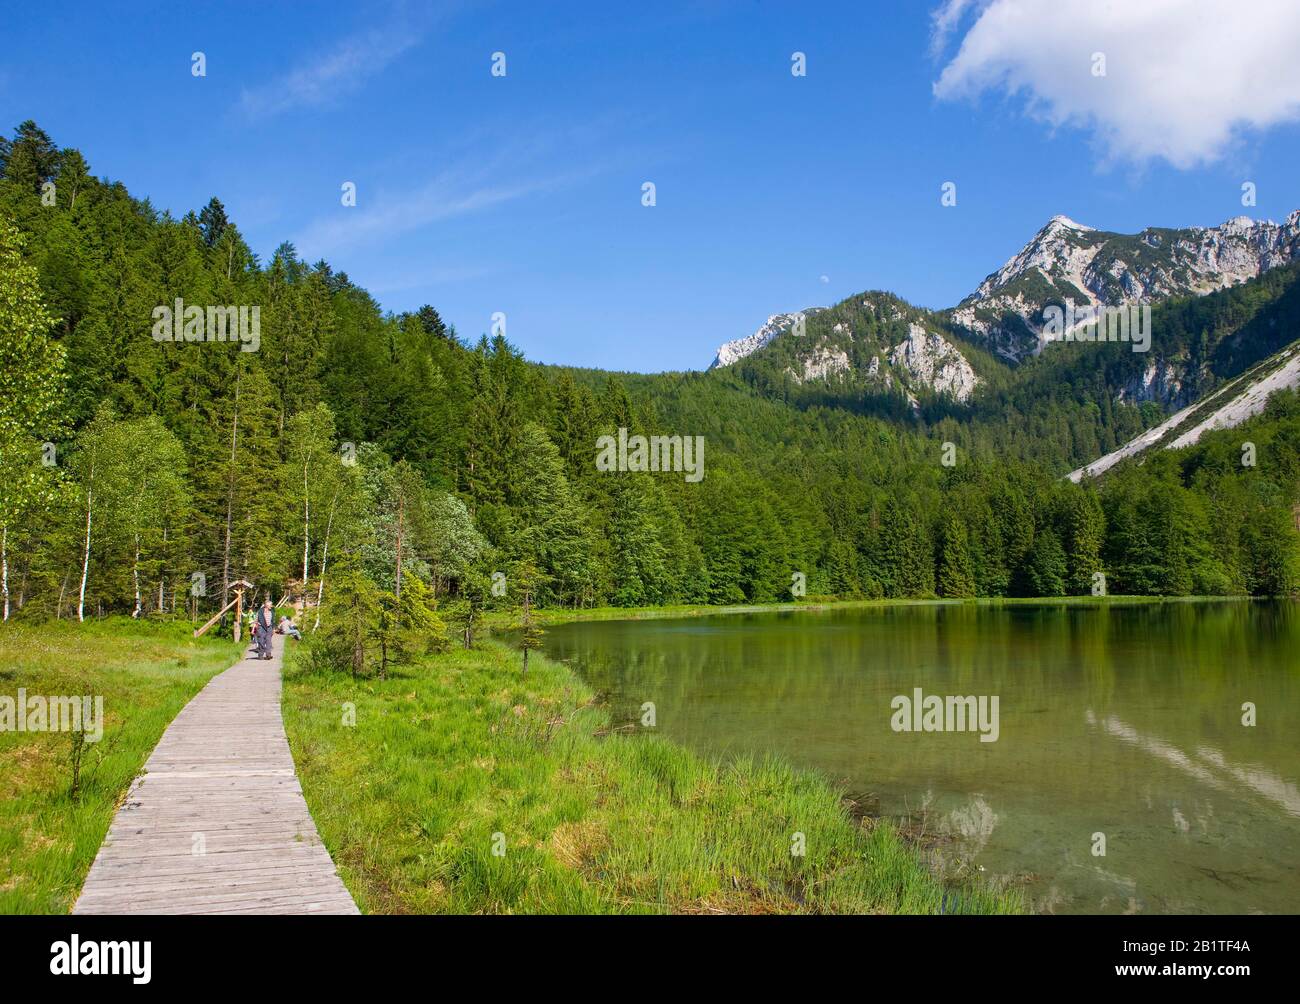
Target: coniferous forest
{"x": 356, "y": 450}
{"x": 709, "y": 460}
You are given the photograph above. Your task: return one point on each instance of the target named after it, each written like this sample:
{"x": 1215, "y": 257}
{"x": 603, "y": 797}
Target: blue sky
{"x": 522, "y": 194}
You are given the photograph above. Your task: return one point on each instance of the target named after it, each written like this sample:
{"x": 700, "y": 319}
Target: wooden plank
{"x": 214, "y": 619}
{"x": 222, "y": 770}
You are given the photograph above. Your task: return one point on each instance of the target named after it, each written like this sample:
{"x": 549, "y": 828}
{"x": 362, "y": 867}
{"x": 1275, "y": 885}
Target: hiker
{"x": 265, "y": 628}
{"x": 287, "y": 626}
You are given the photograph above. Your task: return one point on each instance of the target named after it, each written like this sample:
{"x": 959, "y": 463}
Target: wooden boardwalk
{"x": 217, "y": 823}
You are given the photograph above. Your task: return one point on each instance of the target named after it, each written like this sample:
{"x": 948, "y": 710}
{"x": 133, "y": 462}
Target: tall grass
{"x": 146, "y": 672}
{"x": 465, "y": 787}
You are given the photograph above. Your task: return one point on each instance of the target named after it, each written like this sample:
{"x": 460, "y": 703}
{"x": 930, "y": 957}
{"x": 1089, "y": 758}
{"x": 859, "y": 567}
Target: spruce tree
{"x": 955, "y": 576}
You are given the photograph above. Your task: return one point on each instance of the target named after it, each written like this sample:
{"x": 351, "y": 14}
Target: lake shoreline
{"x": 507, "y": 619}
{"x": 466, "y": 786}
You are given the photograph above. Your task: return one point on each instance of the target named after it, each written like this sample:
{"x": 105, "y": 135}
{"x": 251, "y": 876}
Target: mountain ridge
{"x": 1071, "y": 262}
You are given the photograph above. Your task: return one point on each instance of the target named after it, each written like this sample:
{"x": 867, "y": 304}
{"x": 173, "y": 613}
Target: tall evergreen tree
{"x": 955, "y": 576}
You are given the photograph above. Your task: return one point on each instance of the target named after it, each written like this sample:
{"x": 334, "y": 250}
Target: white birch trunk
{"x": 4, "y": 566}
{"x": 85, "y": 556}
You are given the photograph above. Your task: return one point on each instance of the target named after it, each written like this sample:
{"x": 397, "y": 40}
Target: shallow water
{"x": 1124, "y": 721}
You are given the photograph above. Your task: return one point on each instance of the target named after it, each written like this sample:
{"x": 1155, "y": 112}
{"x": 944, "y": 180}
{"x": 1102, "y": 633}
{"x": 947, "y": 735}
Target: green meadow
{"x": 145, "y": 672}
{"x": 465, "y": 786}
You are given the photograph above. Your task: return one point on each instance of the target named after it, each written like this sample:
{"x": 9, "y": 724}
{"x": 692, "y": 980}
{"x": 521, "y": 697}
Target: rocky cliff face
{"x": 1069, "y": 261}
{"x": 875, "y": 343}
{"x": 777, "y": 324}
{"x": 934, "y": 362}
{"x": 1161, "y": 381}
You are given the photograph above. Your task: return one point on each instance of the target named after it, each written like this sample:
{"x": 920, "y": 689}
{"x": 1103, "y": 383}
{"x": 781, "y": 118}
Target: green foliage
{"x": 956, "y": 578}
{"x": 463, "y": 748}
{"x": 386, "y": 441}
{"x": 351, "y": 620}
{"x": 407, "y": 626}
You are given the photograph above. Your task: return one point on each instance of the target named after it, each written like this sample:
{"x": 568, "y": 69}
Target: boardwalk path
{"x": 218, "y": 824}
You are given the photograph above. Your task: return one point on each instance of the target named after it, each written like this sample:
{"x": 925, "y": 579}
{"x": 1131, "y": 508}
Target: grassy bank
{"x": 460, "y": 755}
{"x": 567, "y": 615}
{"x": 145, "y": 673}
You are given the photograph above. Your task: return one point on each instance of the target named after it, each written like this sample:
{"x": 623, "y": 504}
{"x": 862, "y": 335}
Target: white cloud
{"x": 332, "y": 73}
{"x": 1185, "y": 79}
{"x": 944, "y": 20}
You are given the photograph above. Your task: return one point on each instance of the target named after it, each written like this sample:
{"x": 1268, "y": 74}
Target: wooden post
{"x": 198, "y": 632}
{"x": 239, "y": 612}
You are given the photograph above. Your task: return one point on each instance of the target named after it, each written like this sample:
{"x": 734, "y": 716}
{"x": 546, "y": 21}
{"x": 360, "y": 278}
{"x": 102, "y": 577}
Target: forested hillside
{"x": 357, "y": 450}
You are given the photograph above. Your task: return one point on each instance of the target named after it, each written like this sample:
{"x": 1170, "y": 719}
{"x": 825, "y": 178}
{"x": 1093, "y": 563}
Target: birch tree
{"x": 31, "y": 390}
{"x": 311, "y": 475}
{"x": 101, "y": 466}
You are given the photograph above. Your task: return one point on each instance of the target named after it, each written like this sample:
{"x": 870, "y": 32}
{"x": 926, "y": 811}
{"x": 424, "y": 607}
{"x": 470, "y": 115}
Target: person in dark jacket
{"x": 264, "y": 628}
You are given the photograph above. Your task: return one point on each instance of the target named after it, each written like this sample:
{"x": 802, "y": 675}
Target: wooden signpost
{"x": 238, "y": 603}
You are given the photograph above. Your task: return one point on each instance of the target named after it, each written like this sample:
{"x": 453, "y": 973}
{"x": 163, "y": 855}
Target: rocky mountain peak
{"x": 776, "y": 324}
{"x": 1065, "y": 222}
{"x": 1066, "y": 260}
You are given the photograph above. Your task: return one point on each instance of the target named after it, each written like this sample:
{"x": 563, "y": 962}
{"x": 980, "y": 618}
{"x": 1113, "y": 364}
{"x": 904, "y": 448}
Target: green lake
{"x": 1124, "y": 721}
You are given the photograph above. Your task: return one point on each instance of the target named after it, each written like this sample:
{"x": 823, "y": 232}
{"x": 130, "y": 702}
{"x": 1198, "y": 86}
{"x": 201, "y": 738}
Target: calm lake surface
{"x": 1123, "y": 720}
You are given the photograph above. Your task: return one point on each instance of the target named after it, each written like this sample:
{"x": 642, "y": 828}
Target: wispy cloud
{"x": 485, "y": 175}
{"x": 450, "y": 194}
{"x": 420, "y": 278}
{"x": 338, "y": 70}
{"x": 943, "y": 22}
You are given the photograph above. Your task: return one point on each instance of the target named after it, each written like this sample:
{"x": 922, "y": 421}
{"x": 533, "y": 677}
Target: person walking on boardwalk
{"x": 264, "y": 628}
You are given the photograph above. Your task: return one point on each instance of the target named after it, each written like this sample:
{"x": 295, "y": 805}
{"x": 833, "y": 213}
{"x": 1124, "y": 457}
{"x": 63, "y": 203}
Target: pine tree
{"x": 527, "y": 580}
{"x": 350, "y": 620}
{"x": 1047, "y": 569}
{"x": 431, "y": 322}
{"x": 1085, "y": 535}
{"x": 31, "y": 159}
{"x": 213, "y": 221}
{"x": 408, "y": 626}
{"x": 955, "y": 576}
